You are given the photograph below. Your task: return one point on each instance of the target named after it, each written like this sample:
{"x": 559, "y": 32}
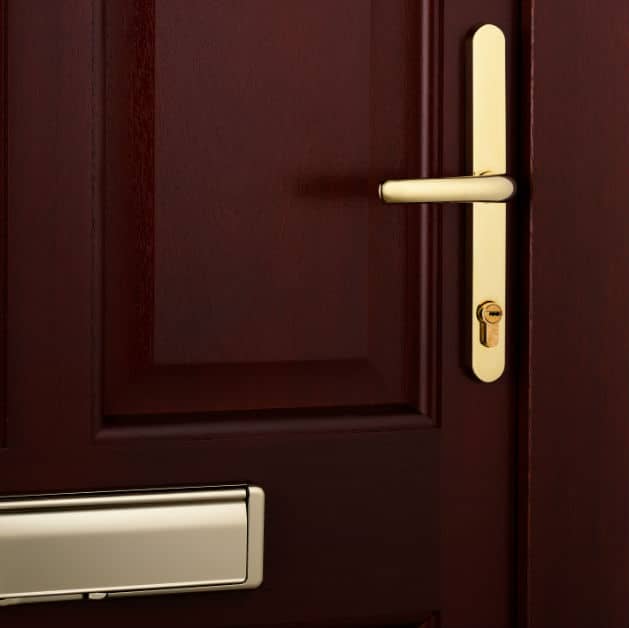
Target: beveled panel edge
{"x": 426, "y": 326}
{"x": 430, "y": 218}
{"x": 285, "y": 425}
{"x": 97, "y": 139}
{"x": 3, "y": 217}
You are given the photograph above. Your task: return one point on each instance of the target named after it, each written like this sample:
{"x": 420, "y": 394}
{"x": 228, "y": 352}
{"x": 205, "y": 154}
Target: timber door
{"x": 203, "y": 288}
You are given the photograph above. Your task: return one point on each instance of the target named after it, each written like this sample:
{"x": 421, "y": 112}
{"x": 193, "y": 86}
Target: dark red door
{"x": 575, "y": 497}
{"x": 203, "y": 288}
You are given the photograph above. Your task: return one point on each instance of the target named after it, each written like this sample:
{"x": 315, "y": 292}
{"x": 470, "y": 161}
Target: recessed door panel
{"x": 249, "y": 263}
{"x": 203, "y": 289}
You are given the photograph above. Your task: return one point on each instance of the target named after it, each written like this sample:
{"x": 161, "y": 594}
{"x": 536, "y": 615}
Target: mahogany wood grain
{"x": 327, "y": 270}
{"x": 382, "y": 508}
{"x": 577, "y": 441}
{"x": 478, "y": 421}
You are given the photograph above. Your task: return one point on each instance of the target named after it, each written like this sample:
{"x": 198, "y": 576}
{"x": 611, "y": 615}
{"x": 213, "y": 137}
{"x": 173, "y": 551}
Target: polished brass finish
{"x": 489, "y": 315}
{"x": 488, "y": 189}
{"x": 489, "y": 220}
{"x": 96, "y": 546}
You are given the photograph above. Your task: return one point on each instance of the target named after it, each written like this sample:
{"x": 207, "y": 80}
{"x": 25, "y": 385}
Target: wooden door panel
{"x": 387, "y": 469}
{"x": 332, "y": 478}
{"x": 328, "y": 551}
{"x": 248, "y": 261}
{"x": 576, "y": 434}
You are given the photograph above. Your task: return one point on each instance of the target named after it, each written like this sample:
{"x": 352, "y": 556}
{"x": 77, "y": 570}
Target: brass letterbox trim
{"x": 100, "y": 545}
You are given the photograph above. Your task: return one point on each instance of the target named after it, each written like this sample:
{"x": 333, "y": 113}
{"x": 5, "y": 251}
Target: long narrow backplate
{"x": 489, "y": 156}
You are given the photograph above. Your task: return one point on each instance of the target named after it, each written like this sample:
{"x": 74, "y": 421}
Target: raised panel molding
{"x": 177, "y": 392}
{"x": 73, "y": 137}
{"x": 3, "y": 220}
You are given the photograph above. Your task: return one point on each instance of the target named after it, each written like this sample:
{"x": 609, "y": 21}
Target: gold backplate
{"x": 488, "y": 231}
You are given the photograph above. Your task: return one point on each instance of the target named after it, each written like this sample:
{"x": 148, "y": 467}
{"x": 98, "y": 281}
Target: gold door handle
{"x": 487, "y": 189}
{"x": 483, "y": 189}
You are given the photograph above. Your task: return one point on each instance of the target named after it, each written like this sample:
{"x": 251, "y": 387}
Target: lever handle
{"x": 484, "y": 189}
{"x": 487, "y": 189}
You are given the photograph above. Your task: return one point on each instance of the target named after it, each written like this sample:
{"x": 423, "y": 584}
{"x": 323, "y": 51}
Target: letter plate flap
{"x": 100, "y": 545}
